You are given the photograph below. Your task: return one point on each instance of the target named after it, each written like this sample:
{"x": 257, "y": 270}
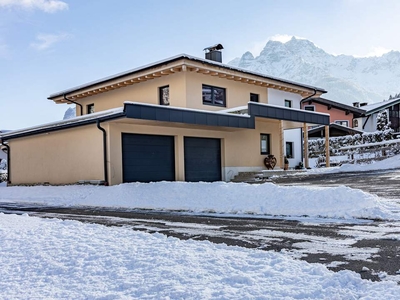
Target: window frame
{"x": 90, "y": 109}
{"x": 309, "y": 106}
{"x": 268, "y": 144}
{"x": 257, "y": 96}
{"x": 161, "y": 100}
{"x": 355, "y": 123}
{"x": 342, "y": 121}
{"x": 292, "y": 150}
{"x": 290, "y": 102}
{"x": 213, "y": 101}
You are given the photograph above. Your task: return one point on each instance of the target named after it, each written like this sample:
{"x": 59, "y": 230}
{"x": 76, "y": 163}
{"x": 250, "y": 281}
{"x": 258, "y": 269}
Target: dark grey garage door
{"x": 202, "y": 159}
{"x": 148, "y": 157}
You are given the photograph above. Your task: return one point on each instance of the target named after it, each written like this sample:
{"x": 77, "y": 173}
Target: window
{"x": 213, "y": 95}
{"x": 289, "y": 150}
{"x": 355, "y": 123}
{"x": 264, "y": 143}
{"x": 90, "y": 108}
{"x": 164, "y": 95}
{"x": 309, "y": 107}
{"x": 288, "y": 103}
{"x": 343, "y": 123}
{"x": 253, "y": 97}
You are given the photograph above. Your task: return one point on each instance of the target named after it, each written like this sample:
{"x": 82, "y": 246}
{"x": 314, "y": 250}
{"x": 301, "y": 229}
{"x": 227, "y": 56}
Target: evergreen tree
{"x": 382, "y": 121}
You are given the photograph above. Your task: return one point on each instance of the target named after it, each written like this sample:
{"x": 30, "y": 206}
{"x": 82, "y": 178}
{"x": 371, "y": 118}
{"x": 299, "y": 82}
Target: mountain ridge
{"x": 347, "y": 78}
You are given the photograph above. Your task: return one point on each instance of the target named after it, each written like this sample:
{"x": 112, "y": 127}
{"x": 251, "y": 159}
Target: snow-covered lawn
{"x": 54, "y": 259}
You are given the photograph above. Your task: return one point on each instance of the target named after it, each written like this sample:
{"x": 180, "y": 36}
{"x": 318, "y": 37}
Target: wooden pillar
{"x": 327, "y": 153}
{"x": 305, "y": 146}
{"x": 281, "y": 145}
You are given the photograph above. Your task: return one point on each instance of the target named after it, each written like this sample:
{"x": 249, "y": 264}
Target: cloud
{"x": 48, "y": 6}
{"x": 377, "y": 51}
{"x": 45, "y": 41}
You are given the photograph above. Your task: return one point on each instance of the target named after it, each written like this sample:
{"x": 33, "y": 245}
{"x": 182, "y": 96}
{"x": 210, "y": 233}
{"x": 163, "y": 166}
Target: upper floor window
{"x": 355, "y": 123}
{"x": 213, "y": 95}
{"x": 253, "y": 97}
{"x": 164, "y": 95}
{"x": 288, "y": 103}
{"x": 309, "y": 107}
{"x": 343, "y": 123}
{"x": 90, "y": 108}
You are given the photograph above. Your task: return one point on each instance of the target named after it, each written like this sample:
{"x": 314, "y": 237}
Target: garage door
{"x": 202, "y": 159}
{"x": 148, "y": 157}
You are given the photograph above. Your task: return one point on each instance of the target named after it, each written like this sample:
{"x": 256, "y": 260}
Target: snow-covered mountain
{"x": 346, "y": 78}
{"x": 69, "y": 113}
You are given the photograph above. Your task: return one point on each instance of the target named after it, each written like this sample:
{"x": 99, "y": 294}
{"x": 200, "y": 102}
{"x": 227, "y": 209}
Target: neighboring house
{"x": 340, "y": 117}
{"x": 183, "y": 118}
{"x": 368, "y": 122}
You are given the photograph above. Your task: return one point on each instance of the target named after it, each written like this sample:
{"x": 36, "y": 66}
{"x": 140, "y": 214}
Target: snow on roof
{"x": 76, "y": 120}
{"x": 383, "y": 104}
{"x": 173, "y": 58}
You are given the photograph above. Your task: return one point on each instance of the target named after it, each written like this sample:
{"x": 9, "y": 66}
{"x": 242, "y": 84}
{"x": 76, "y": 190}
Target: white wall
{"x": 277, "y": 97}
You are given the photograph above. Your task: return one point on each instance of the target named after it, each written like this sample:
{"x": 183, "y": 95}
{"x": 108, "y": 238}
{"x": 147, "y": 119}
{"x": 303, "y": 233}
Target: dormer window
{"x": 164, "y": 95}
{"x": 90, "y": 108}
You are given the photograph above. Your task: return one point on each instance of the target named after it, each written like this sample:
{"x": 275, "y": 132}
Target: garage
{"x": 202, "y": 159}
{"x": 148, "y": 158}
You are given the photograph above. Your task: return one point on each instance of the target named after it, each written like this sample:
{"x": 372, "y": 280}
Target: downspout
{"x": 8, "y": 163}
{"x": 104, "y": 152}
{"x": 76, "y": 103}
{"x": 308, "y": 97}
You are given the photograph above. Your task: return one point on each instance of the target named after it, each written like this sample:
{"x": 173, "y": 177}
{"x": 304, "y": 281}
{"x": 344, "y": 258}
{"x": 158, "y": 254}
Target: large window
{"x": 289, "y": 150}
{"x": 213, "y": 95}
{"x": 265, "y": 143}
{"x": 288, "y": 103}
{"x": 164, "y": 95}
{"x": 90, "y": 108}
{"x": 253, "y": 97}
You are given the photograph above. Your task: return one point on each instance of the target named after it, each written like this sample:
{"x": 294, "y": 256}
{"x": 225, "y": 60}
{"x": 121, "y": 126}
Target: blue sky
{"x": 50, "y": 45}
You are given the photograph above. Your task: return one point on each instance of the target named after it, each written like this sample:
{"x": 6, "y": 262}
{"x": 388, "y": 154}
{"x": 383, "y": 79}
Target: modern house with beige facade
{"x": 183, "y": 118}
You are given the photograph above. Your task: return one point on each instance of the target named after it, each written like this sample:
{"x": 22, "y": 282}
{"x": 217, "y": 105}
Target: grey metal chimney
{"x": 356, "y": 104}
{"x": 213, "y": 53}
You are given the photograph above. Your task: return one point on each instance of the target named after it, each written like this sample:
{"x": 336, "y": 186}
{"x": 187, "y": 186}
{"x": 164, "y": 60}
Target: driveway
{"x": 370, "y": 248}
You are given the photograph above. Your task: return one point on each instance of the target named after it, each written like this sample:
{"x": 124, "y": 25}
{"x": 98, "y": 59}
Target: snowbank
{"x": 217, "y": 197}
{"x": 54, "y": 259}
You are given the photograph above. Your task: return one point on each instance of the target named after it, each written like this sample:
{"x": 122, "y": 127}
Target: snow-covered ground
{"x": 54, "y": 259}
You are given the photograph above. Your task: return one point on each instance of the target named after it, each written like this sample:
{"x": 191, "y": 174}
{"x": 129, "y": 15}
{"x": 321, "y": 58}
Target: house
{"x": 368, "y": 121}
{"x": 341, "y": 117}
{"x": 183, "y": 118}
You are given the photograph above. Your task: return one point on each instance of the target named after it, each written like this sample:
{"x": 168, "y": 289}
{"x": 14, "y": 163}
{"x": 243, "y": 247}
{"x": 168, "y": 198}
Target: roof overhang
{"x": 159, "y": 113}
{"x": 357, "y": 112}
{"x": 183, "y": 63}
{"x": 334, "y": 131}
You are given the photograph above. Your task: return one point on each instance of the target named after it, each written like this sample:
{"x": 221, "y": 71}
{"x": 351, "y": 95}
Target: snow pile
{"x": 217, "y": 197}
{"x": 54, "y": 259}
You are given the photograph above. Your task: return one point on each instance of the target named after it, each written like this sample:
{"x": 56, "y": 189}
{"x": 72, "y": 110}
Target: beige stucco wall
{"x": 58, "y": 157}
{"x": 240, "y": 148}
{"x": 185, "y": 91}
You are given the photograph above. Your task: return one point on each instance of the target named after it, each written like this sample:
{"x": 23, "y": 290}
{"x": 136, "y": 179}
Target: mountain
{"x": 69, "y": 113}
{"x": 346, "y": 78}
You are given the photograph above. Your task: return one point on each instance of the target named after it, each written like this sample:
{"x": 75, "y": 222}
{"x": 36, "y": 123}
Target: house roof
{"x": 334, "y": 130}
{"x": 357, "y": 112}
{"x": 151, "y": 112}
{"x": 127, "y": 78}
{"x": 376, "y": 107}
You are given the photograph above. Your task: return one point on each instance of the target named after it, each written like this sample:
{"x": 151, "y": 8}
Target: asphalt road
{"x": 371, "y": 248}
